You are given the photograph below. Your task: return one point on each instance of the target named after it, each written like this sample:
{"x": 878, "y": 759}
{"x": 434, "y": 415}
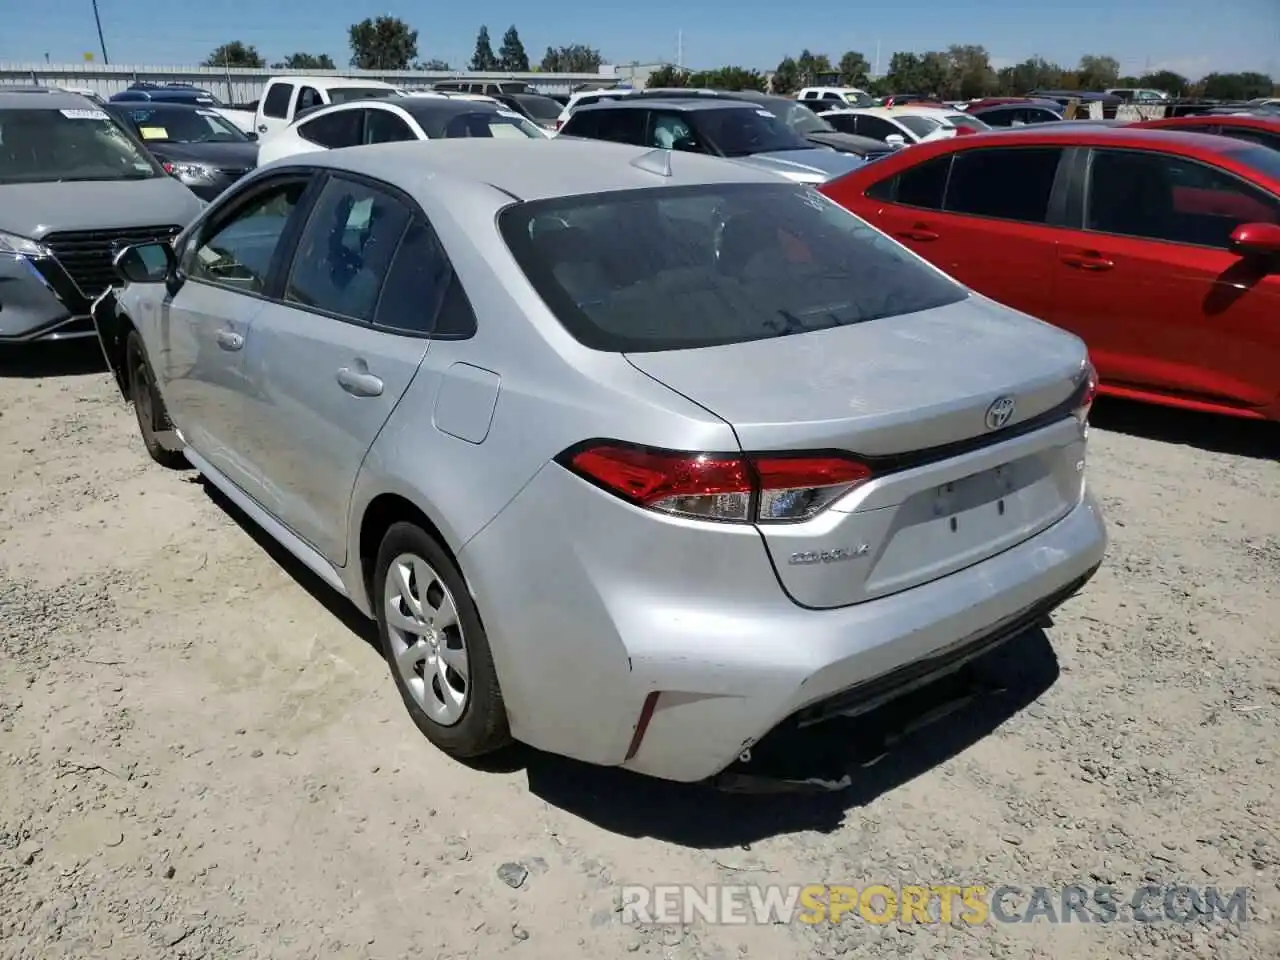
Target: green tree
{"x": 971, "y": 73}
{"x": 728, "y": 78}
{"x": 905, "y": 73}
{"x": 810, "y": 65}
{"x": 305, "y": 61}
{"x": 1171, "y": 83}
{"x": 1096, "y": 72}
{"x": 854, "y": 69}
{"x": 935, "y": 74}
{"x": 236, "y": 54}
{"x": 382, "y": 43}
{"x": 483, "y": 58}
{"x": 1237, "y": 86}
{"x": 575, "y": 58}
{"x": 786, "y": 78}
{"x": 668, "y": 75}
{"x": 1036, "y": 73}
{"x": 435, "y": 65}
{"x": 511, "y": 55}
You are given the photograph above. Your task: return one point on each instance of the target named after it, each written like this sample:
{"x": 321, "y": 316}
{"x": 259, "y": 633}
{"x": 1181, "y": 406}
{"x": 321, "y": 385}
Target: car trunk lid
{"x": 962, "y": 412}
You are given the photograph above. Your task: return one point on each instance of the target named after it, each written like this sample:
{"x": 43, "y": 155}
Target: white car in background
{"x": 387, "y": 120}
{"x": 584, "y": 98}
{"x": 284, "y": 98}
{"x": 901, "y": 126}
{"x": 838, "y": 97}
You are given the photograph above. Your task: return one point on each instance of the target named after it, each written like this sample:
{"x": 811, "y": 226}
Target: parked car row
{"x": 635, "y": 400}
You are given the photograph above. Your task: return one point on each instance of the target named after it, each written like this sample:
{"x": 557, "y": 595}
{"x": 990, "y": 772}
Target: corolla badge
{"x": 806, "y": 557}
{"x": 999, "y": 412}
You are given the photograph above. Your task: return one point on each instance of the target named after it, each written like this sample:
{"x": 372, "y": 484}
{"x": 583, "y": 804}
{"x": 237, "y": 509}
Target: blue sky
{"x": 1191, "y": 36}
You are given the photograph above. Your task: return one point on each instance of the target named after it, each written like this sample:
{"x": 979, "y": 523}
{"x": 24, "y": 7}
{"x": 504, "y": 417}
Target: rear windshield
{"x": 920, "y": 126}
{"x": 742, "y": 132}
{"x": 489, "y": 123}
{"x": 343, "y": 94}
{"x": 681, "y": 267}
{"x": 47, "y": 146}
{"x": 1263, "y": 159}
{"x": 540, "y": 108}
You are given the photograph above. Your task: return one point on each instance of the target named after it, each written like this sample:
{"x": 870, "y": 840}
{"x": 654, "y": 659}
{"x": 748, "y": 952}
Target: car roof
{"x": 41, "y": 100}
{"x": 529, "y": 169}
{"x": 171, "y": 106}
{"x": 329, "y": 83}
{"x": 674, "y": 103}
{"x": 1105, "y": 134}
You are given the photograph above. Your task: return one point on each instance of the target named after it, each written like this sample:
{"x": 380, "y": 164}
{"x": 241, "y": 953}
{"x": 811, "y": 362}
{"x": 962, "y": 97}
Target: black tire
{"x": 482, "y": 727}
{"x": 148, "y": 406}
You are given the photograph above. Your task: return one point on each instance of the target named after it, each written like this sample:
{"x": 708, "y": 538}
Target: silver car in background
{"x": 74, "y": 187}
{"x": 634, "y": 456}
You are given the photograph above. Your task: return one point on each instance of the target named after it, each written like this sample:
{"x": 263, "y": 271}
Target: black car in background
{"x": 195, "y": 144}
{"x": 543, "y": 111}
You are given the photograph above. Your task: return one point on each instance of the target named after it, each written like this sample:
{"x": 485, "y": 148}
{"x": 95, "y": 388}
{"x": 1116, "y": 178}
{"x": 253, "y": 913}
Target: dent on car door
{"x": 327, "y": 373}
{"x": 225, "y": 273}
{"x": 1152, "y": 285}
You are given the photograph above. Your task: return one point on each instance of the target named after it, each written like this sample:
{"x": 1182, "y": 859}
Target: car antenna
{"x": 655, "y": 161}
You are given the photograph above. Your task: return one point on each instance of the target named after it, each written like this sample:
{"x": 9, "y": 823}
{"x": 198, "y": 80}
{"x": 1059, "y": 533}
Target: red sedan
{"x": 1160, "y": 249}
{"x": 1251, "y": 127}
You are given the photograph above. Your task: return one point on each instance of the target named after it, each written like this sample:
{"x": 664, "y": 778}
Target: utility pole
{"x": 877, "y": 68}
{"x": 680, "y": 49}
{"x": 101, "y": 42}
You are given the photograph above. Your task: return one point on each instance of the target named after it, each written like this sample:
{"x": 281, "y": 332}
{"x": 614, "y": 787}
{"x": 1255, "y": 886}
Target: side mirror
{"x": 145, "y": 262}
{"x": 249, "y": 134}
{"x": 896, "y": 140}
{"x": 1256, "y": 239}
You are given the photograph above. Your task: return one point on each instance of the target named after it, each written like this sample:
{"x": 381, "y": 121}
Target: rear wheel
{"x": 148, "y": 407}
{"x": 436, "y": 646}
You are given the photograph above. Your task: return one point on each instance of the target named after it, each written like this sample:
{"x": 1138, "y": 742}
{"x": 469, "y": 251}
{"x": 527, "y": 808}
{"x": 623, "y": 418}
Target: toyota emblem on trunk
{"x": 999, "y": 412}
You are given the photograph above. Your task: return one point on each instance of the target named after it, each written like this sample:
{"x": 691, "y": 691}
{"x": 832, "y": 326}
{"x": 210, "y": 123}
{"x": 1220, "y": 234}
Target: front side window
{"x": 1008, "y": 184}
{"x": 1162, "y": 197}
{"x": 345, "y": 250}
{"x": 49, "y": 146}
{"x": 338, "y": 128}
{"x": 670, "y": 131}
{"x": 237, "y": 250}
{"x": 682, "y": 267}
{"x": 1264, "y": 137}
{"x": 276, "y": 102}
{"x": 742, "y": 132}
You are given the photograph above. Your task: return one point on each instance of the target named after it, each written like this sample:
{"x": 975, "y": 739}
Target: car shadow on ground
{"x": 1255, "y": 439}
{"x": 69, "y": 358}
{"x": 879, "y": 751}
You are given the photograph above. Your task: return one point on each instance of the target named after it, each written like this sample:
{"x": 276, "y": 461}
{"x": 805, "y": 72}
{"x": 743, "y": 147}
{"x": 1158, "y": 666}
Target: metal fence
{"x": 243, "y": 85}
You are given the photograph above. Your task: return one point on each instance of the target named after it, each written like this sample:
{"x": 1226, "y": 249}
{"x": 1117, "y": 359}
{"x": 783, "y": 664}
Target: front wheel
{"x": 148, "y": 406}
{"x": 436, "y": 646}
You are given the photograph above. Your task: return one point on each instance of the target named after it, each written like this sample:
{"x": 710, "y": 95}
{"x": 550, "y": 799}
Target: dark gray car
{"x": 74, "y": 187}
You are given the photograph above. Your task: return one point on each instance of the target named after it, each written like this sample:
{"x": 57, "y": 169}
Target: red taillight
{"x": 725, "y": 487}
{"x": 559, "y": 123}
{"x": 168, "y": 167}
{"x": 1081, "y": 412}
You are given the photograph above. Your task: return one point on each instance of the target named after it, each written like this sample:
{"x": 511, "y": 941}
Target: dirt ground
{"x": 201, "y": 754}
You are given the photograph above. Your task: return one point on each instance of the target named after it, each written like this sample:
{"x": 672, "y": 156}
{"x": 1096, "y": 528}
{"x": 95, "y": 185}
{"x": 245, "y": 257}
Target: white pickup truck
{"x": 284, "y": 98}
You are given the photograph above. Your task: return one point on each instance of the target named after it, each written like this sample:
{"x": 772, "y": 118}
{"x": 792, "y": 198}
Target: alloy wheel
{"x": 427, "y": 643}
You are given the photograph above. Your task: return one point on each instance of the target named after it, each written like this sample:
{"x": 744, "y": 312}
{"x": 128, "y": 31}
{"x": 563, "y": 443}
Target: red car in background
{"x": 1254, "y": 128}
{"x": 1160, "y": 249}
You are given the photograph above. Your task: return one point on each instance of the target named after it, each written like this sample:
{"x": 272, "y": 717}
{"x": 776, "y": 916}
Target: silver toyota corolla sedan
{"x": 634, "y": 456}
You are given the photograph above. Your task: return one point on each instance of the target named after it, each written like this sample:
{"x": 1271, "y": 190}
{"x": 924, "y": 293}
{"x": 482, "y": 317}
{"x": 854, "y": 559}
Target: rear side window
{"x": 345, "y": 249}
{"x": 338, "y": 128}
{"x": 417, "y": 284}
{"x": 308, "y": 97}
{"x": 1010, "y": 184}
{"x": 619, "y": 126}
{"x": 682, "y": 267}
{"x": 924, "y": 185}
{"x": 276, "y": 102}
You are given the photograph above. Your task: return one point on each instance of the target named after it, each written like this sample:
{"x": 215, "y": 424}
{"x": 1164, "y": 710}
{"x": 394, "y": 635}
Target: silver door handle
{"x": 359, "y": 384}
{"x": 229, "y": 340}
